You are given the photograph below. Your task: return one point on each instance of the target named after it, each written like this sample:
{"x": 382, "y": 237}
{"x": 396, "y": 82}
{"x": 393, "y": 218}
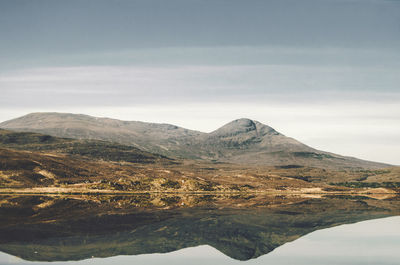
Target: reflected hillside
{"x": 42, "y": 228}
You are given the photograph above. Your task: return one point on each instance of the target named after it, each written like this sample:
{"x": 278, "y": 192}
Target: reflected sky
{"x": 369, "y": 242}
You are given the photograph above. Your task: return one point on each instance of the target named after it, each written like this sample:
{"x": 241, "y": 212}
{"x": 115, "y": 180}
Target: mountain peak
{"x": 238, "y": 126}
{"x": 242, "y": 126}
{"x": 243, "y": 123}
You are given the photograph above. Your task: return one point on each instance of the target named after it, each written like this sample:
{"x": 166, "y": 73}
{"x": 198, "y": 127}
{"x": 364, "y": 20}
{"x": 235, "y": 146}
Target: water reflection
{"x": 39, "y": 228}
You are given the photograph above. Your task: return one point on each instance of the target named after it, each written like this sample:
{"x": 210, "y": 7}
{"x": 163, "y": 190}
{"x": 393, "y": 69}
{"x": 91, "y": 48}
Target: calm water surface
{"x": 315, "y": 231}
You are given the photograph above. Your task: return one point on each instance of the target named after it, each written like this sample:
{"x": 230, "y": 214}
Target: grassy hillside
{"x": 59, "y": 173}
{"x": 32, "y": 160}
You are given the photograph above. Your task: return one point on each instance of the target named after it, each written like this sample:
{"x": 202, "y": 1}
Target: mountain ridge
{"x": 242, "y": 141}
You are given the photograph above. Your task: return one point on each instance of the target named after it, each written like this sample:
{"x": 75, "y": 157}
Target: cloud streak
{"x": 127, "y": 85}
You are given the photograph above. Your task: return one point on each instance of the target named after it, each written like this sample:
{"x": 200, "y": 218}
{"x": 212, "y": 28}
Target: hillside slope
{"x": 94, "y": 149}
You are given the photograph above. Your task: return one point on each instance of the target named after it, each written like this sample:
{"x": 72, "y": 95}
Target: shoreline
{"x": 365, "y": 192}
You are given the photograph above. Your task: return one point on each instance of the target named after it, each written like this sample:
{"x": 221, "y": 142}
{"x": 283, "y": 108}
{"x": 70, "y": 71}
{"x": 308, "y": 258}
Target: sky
{"x": 326, "y": 72}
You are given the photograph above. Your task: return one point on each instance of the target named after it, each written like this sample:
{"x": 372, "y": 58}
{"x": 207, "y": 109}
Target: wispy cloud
{"x": 127, "y": 85}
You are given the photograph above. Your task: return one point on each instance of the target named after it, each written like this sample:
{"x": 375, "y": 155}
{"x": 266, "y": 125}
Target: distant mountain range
{"x": 242, "y": 141}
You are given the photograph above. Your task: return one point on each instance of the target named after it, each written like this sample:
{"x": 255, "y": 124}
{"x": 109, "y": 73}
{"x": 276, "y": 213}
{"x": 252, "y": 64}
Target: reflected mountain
{"x": 42, "y": 228}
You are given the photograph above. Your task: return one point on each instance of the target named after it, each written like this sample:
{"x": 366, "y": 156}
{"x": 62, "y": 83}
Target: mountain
{"x": 241, "y": 141}
{"x": 156, "y": 138}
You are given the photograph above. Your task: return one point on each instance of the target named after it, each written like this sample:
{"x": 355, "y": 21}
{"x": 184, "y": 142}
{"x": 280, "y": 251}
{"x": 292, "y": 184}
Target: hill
{"x": 242, "y": 141}
{"x": 32, "y": 162}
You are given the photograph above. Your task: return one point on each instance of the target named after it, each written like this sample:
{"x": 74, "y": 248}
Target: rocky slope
{"x": 241, "y": 141}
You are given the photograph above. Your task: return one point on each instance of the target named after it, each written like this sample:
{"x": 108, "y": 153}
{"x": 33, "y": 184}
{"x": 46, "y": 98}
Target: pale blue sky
{"x": 46, "y": 30}
{"x": 326, "y": 72}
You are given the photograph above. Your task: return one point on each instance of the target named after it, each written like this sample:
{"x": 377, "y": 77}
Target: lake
{"x": 213, "y": 229}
